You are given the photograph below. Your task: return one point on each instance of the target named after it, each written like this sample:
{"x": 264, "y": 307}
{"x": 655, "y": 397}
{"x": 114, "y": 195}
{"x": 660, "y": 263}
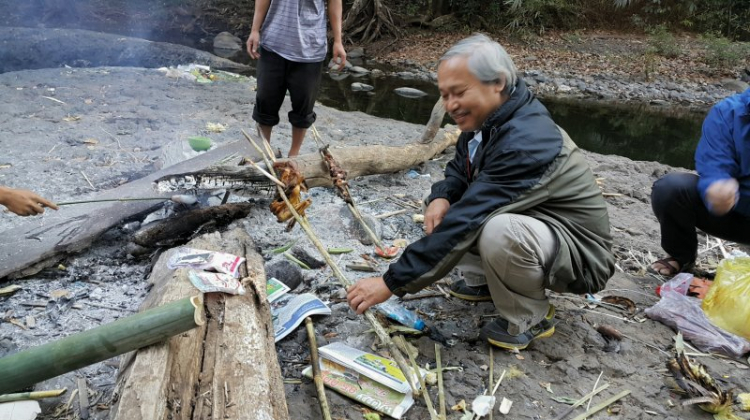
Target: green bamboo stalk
{"x": 604, "y": 404}
{"x": 34, "y": 395}
{"x": 37, "y": 364}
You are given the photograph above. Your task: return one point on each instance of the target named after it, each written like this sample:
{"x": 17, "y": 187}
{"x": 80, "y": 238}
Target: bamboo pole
{"x": 33, "y": 395}
{"x": 37, "y": 364}
{"x": 425, "y": 393}
{"x": 315, "y": 362}
{"x": 345, "y": 282}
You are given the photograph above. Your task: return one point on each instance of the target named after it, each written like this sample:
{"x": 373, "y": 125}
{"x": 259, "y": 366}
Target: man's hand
{"x": 435, "y": 213}
{"x": 253, "y": 43}
{"x": 340, "y": 53}
{"x": 366, "y": 293}
{"x": 24, "y": 202}
{"x": 722, "y": 196}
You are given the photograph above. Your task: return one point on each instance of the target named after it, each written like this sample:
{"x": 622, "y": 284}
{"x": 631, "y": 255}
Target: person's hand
{"x": 722, "y": 196}
{"x": 340, "y": 53}
{"x": 25, "y": 202}
{"x": 253, "y": 43}
{"x": 435, "y": 213}
{"x": 366, "y": 293}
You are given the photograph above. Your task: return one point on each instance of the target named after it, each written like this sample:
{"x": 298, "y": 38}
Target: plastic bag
{"x": 727, "y": 302}
{"x": 199, "y": 259}
{"x": 216, "y": 282}
{"x": 684, "y": 314}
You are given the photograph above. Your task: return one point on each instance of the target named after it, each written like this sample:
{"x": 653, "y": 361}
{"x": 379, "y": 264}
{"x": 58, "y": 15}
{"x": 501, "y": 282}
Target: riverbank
{"x": 600, "y": 66}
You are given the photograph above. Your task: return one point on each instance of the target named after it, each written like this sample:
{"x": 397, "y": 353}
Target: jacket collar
{"x": 519, "y": 96}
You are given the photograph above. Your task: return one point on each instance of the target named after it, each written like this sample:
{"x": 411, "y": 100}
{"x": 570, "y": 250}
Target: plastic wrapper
{"x": 216, "y": 282}
{"x": 199, "y": 259}
{"x": 727, "y": 303}
{"x": 684, "y": 314}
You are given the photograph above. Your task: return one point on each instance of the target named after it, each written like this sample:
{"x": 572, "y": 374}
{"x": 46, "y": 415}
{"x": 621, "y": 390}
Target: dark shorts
{"x": 275, "y": 76}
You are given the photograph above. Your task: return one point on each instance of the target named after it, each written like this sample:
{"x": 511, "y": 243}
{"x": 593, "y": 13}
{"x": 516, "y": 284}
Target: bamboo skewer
{"x": 315, "y": 362}
{"x": 425, "y": 394}
{"x": 351, "y": 204}
{"x": 492, "y": 372}
{"x": 441, "y": 391}
{"x": 34, "y": 395}
{"x": 580, "y": 402}
{"x": 346, "y": 283}
{"x": 601, "y": 406}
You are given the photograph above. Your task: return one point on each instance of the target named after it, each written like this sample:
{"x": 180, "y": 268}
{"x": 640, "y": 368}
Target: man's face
{"x": 468, "y": 101}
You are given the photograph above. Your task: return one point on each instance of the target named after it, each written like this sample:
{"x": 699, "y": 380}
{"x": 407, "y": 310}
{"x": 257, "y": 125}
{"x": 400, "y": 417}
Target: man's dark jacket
{"x": 525, "y": 165}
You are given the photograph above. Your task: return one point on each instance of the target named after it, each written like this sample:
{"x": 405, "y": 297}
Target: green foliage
{"x": 721, "y": 52}
{"x": 662, "y": 42}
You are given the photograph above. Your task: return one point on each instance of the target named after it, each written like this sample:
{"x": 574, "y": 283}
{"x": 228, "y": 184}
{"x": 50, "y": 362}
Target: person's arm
{"x": 259, "y": 16}
{"x": 335, "y": 10}
{"x": 716, "y": 163}
{"x": 24, "y": 202}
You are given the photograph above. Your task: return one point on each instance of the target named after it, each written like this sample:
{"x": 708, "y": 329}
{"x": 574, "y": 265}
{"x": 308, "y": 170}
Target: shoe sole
{"x": 509, "y": 346}
{"x": 470, "y": 298}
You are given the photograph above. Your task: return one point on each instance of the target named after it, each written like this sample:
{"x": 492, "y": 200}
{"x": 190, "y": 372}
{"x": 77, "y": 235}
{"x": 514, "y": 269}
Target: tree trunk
{"x": 368, "y": 20}
{"x": 356, "y": 161}
{"x": 227, "y": 368}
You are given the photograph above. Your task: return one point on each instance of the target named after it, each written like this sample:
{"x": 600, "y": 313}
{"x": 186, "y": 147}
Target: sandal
{"x": 664, "y": 264}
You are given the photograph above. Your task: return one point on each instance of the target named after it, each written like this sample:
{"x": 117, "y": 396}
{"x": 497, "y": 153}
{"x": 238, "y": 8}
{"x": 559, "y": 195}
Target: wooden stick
{"x": 315, "y": 362}
{"x": 33, "y": 395}
{"x": 391, "y": 213}
{"x": 83, "y": 398}
{"x": 66, "y": 203}
{"x": 422, "y": 296}
{"x": 88, "y": 180}
{"x": 425, "y": 393}
{"x": 345, "y": 282}
{"x": 36, "y": 364}
{"x": 603, "y": 405}
{"x": 492, "y": 372}
{"x": 267, "y": 175}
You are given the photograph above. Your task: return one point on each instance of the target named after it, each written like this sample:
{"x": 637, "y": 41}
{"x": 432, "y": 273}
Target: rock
{"x": 409, "y": 92}
{"x": 734, "y": 85}
{"x": 361, "y": 87}
{"x": 355, "y": 228}
{"x": 530, "y": 58}
{"x": 358, "y": 70}
{"x": 377, "y": 73}
{"x": 226, "y": 42}
{"x": 564, "y": 88}
{"x": 338, "y": 76}
{"x": 356, "y": 53}
{"x": 286, "y": 272}
{"x": 303, "y": 255}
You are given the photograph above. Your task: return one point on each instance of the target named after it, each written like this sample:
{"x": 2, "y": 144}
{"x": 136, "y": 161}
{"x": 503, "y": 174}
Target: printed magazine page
{"x": 275, "y": 289}
{"x": 363, "y": 389}
{"x": 288, "y": 311}
{"x": 380, "y": 369}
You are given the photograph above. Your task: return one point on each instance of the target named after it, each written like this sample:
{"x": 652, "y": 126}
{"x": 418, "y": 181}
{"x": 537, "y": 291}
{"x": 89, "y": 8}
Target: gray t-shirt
{"x": 296, "y": 30}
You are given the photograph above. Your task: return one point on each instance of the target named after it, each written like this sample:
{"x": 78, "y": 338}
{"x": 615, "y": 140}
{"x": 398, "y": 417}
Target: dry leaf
{"x": 215, "y": 127}
{"x": 5, "y": 165}
{"x": 91, "y": 141}
{"x": 9, "y": 290}
{"x": 30, "y": 321}
{"x": 547, "y": 386}
{"x": 88, "y": 101}
{"x": 57, "y": 294}
{"x": 330, "y": 335}
{"x": 461, "y": 406}
{"x": 71, "y": 118}
{"x": 18, "y": 323}
{"x": 401, "y": 243}
{"x": 519, "y": 357}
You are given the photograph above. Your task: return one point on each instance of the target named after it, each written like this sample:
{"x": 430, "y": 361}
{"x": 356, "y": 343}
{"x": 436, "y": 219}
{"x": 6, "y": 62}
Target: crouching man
{"x": 519, "y": 210}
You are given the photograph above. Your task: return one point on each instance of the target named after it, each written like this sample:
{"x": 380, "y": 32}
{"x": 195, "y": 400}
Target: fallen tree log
{"x": 180, "y": 227}
{"x": 31, "y": 246}
{"x": 227, "y": 368}
{"x": 357, "y": 161}
{"x": 36, "y": 364}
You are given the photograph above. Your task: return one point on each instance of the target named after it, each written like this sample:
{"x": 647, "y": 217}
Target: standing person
{"x": 717, "y": 199}
{"x": 24, "y": 202}
{"x": 518, "y": 202}
{"x": 289, "y": 38}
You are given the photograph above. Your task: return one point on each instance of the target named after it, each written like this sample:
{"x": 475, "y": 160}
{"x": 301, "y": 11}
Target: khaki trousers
{"x": 509, "y": 257}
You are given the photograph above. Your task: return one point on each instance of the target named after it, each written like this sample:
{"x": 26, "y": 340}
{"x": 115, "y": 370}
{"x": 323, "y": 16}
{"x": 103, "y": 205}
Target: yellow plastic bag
{"x": 727, "y": 303}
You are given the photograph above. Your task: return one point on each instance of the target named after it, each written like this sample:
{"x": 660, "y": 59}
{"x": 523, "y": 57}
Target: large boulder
{"x": 227, "y": 44}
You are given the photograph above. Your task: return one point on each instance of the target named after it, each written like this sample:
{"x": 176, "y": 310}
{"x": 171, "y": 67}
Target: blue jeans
{"x": 680, "y": 210}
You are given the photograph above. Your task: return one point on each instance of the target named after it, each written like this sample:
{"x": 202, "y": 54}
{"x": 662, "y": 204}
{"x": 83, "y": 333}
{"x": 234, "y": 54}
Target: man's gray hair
{"x": 487, "y": 60}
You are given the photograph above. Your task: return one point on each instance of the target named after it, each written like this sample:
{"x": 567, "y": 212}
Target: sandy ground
{"x": 69, "y": 133}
